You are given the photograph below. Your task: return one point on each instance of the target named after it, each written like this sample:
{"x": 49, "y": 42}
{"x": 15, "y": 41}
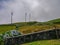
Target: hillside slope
{"x": 30, "y": 27}
{"x": 56, "y": 21}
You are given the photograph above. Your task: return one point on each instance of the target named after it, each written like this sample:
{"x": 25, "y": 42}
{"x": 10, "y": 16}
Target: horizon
{"x": 29, "y": 21}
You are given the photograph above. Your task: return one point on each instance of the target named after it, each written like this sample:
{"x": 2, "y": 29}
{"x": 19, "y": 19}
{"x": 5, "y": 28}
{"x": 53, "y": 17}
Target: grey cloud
{"x": 41, "y": 10}
{"x": 48, "y": 9}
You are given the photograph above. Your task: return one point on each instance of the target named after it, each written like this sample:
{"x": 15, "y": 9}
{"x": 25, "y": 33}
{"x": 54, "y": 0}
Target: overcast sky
{"x": 40, "y": 10}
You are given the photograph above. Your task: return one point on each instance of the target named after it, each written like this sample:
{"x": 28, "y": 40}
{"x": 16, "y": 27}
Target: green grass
{"x": 28, "y": 27}
{"x": 55, "y": 21}
{"x": 44, "y": 42}
{"x": 4, "y": 28}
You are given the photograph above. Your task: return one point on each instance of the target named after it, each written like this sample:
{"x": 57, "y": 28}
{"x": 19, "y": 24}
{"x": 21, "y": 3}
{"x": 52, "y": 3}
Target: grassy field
{"x": 4, "y": 28}
{"x": 27, "y": 28}
{"x": 45, "y": 42}
{"x": 30, "y": 27}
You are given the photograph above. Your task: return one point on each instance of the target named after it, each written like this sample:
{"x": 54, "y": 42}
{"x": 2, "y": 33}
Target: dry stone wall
{"x": 42, "y": 35}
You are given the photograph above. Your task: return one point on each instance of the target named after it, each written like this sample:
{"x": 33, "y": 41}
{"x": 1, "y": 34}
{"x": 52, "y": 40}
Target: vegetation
{"x": 55, "y": 21}
{"x": 30, "y": 27}
{"x": 4, "y": 28}
{"x": 44, "y": 42}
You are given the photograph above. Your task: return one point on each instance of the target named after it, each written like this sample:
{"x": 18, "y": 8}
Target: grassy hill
{"x": 57, "y": 21}
{"x": 30, "y": 27}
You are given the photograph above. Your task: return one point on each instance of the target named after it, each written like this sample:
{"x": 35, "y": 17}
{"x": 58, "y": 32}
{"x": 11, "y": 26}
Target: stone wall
{"x": 42, "y": 35}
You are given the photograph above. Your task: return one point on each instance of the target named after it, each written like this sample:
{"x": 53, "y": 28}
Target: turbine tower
{"x": 25, "y": 17}
{"x": 29, "y": 17}
{"x": 11, "y": 17}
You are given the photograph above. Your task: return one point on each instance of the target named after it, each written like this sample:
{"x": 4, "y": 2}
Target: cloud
{"x": 40, "y": 10}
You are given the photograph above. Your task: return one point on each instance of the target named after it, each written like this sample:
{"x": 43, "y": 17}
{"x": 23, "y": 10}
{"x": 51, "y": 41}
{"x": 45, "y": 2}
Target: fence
{"x": 42, "y": 35}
